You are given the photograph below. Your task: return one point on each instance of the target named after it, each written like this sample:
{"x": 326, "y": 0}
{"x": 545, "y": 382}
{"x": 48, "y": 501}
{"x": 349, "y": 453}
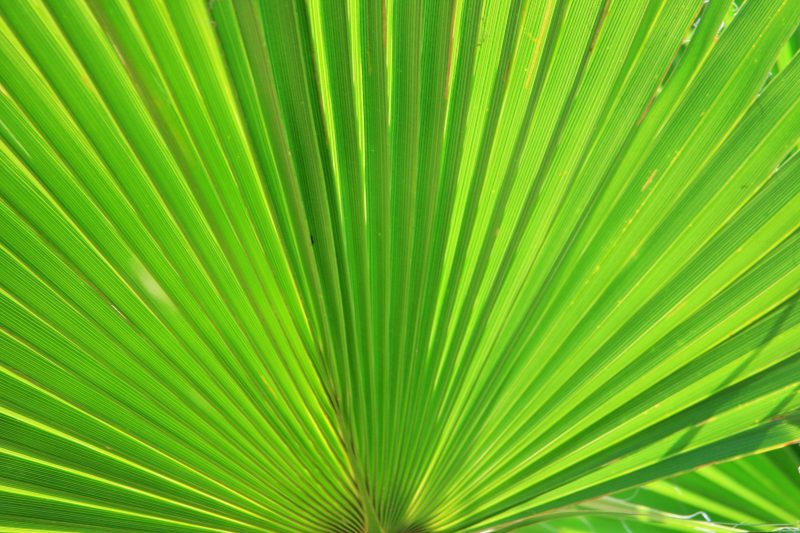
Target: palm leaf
{"x": 396, "y": 266}
{"x": 758, "y": 493}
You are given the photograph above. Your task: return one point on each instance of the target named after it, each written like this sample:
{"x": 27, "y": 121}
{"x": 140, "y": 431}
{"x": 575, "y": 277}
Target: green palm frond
{"x": 758, "y": 493}
{"x": 319, "y": 265}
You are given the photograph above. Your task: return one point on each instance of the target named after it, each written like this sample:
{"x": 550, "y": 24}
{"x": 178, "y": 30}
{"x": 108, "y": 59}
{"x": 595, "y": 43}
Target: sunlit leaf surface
{"x": 384, "y": 265}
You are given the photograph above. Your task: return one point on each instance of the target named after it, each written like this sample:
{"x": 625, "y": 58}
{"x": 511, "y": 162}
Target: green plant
{"x": 318, "y": 265}
{"x": 758, "y": 493}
